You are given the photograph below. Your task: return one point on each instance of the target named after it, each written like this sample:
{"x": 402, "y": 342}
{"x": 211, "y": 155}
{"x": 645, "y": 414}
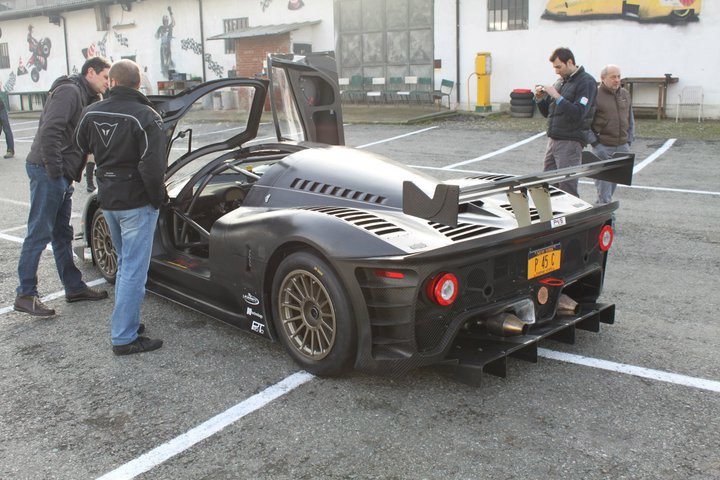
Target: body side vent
{"x": 336, "y": 191}
{"x": 368, "y": 221}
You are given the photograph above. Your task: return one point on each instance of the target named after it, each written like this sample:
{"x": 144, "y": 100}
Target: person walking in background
{"x": 613, "y": 127}
{"x": 7, "y": 131}
{"x": 52, "y": 165}
{"x": 125, "y": 135}
{"x": 569, "y": 106}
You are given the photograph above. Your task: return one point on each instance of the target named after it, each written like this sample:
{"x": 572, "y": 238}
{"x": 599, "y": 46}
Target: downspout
{"x": 67, "y": 54}
{"x": 202, "y": 41}
{"x": 457, "y": 50}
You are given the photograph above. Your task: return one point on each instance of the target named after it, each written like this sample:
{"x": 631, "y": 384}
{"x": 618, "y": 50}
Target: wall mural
{"x": 165, "y": 34}
{"x": 39, "y": 53}
{"x": 295, "y": 4}
{"x": 650, "y": 11}
{"x": 292, "y": 4}
{"x": 192, "y": 44}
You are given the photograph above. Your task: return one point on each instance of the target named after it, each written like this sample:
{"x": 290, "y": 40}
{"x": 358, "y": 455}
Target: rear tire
{"x": 312, "y": 315}
{"x": 101, "y": 247}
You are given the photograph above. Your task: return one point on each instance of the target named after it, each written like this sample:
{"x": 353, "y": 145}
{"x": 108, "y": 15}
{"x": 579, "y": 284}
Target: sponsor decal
{"x": 558, "y": 222}
{"x": 252, "y": 313}
{"x": 251, "y": 299}
{"x": 257, "y": 327}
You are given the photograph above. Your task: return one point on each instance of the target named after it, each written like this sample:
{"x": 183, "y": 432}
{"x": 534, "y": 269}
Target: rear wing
{"x": 443, "y": 206}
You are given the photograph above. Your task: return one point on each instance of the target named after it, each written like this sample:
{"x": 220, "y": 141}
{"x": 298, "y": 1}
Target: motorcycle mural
{"x": 40, "y": 51}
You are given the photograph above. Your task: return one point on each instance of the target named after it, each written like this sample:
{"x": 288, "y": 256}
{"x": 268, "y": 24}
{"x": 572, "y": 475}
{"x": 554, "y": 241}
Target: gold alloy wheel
{"x": 102, "y": 246}
{"x": 307, "y": 315}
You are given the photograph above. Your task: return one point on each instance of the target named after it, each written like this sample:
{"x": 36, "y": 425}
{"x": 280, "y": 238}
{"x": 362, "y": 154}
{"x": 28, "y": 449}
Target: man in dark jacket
{"x": 613, "y": 127}
{"x": 125, "y": 135}
{"x": 53, "y": 163}
{"x": 569, "y": 107}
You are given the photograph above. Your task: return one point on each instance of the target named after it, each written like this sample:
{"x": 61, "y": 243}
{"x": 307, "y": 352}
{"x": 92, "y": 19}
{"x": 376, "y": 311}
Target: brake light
{"x": 443, "y": 289}
{"x": 605, "y": 239}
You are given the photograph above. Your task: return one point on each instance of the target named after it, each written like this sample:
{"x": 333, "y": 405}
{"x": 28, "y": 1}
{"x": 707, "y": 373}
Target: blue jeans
{"x": 48, "y": 222}
{"x": 132, "y": 234}
{"x": 604, "y": 188}
{"x": 5, "y": 121}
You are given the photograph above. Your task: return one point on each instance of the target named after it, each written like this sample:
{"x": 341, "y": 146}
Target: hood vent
{"x": 464, "y": 231}
{"x": 340, "y": 192}
{"x": 359, "y": 218}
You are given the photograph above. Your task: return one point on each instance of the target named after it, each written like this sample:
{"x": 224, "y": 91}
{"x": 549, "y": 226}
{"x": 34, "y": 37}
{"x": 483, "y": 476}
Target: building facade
{"x": 435, "y": 39}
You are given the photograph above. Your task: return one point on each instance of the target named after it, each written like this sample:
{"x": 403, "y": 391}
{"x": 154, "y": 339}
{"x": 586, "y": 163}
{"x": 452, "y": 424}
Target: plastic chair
{"x": 355, "y": 91}
{"x": 446, "y": 88}
{"x": 691, "y": 96}
{"x": 344, "y": 84}
{"x": 378, "y": 90}
{"x": 423, "y": 93}
{"x": 395, "y": 86}
{"x": 410, "y": 81}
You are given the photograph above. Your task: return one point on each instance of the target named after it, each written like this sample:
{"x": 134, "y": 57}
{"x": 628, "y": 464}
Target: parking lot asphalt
{"x": 639, "y": 400}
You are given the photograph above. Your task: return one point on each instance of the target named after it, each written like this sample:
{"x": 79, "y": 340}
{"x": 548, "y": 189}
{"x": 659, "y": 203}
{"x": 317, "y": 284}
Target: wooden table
{"x": 662, "y": 85}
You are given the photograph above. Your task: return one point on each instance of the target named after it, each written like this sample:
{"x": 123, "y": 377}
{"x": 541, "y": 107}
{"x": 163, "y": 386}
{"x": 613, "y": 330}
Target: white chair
{"x": 691, "y": 96}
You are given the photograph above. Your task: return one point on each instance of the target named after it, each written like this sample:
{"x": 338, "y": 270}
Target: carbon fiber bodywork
{"x": 334, "y": 251}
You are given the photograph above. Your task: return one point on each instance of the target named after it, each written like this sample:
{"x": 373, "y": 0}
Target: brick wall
{"x": 251, "y": 52}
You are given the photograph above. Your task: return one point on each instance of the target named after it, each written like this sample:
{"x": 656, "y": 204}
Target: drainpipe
{"x": 202, "y": 41}
{"x": 457, "y": 50}
{"x": 67, "y": 54}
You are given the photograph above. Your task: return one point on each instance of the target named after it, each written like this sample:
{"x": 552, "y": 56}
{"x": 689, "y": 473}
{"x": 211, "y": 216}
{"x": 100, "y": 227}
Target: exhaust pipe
{"x": 567, "y": 306}
{"x": 506, "y": 325}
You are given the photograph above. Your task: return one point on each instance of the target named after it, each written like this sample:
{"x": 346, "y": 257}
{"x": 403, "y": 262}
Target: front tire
{"x": 312, "y": 315}
{"x": 101, "y": 246}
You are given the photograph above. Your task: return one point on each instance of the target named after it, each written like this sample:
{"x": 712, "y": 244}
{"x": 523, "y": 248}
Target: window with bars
{"x": 4, "y": 56}
{"x": 233, "y": 25}
{"x": 507, "y": 15}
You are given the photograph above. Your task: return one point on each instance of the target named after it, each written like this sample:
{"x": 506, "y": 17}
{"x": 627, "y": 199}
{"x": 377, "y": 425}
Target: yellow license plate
{"x": 544, "y": 260}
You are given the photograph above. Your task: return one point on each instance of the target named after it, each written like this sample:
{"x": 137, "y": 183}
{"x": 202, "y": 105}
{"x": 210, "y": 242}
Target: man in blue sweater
{"x": 569, "y": 105}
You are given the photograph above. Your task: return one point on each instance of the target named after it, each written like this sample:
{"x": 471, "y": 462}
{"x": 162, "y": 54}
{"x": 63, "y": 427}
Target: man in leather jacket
{"x": 613, "y": 128}
{"x": 52, "y": 165}
{"x": 125, "y": 135}
{"x": 569, "y": 107}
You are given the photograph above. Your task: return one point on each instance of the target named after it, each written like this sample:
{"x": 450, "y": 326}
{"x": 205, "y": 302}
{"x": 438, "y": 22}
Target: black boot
{"x": 89, "y": 173}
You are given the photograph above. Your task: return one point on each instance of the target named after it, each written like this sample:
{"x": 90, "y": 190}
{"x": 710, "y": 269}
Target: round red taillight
{"x": 605, "y": 239}
{"x": 443, "y": 289}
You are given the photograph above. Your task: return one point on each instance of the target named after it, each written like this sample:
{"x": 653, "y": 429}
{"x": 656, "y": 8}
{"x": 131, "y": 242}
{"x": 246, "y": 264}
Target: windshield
{"x": 287, "y": 115}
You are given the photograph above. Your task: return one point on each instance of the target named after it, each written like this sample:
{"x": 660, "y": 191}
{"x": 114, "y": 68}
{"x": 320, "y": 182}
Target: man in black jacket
{"x": 125, "y": 135}
{"x": 52, "y": 165}
{"x": 569, "y": 106}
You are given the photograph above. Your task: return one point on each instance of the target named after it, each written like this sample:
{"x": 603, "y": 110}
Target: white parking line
{"x": 186, "y": 440}
{"x": 666, "y": 146}
{"x": 396, "y": 137}
{"x": 182, "y": 442}
{"x": 658, "y": 375}
{"x": 496, "y": 152}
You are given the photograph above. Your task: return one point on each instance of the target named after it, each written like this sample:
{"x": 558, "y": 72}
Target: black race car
{"x": 350, "y": 259}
